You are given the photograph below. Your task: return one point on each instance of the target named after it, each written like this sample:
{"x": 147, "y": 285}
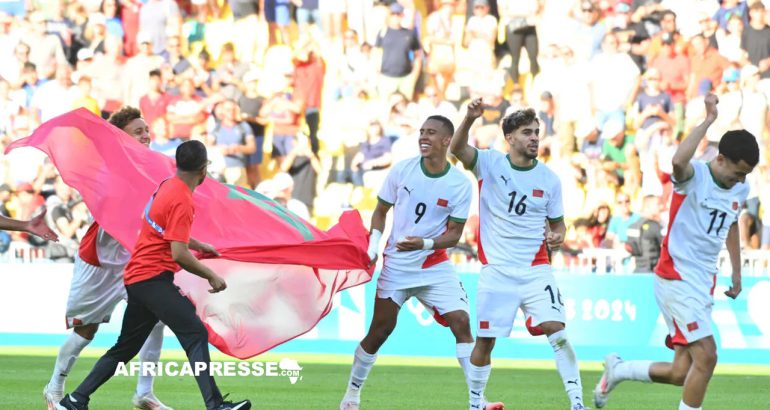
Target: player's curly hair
{"x": 519, "y": 119}
{"x": 125, "y": 115}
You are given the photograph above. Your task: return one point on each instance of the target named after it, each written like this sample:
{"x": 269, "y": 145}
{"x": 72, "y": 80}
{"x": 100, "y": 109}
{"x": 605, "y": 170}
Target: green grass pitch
{"x": 395, "y": 383}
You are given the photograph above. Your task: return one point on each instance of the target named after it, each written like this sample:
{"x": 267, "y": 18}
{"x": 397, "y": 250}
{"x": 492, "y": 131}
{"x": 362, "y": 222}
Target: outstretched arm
{"x": 35, "y": 226}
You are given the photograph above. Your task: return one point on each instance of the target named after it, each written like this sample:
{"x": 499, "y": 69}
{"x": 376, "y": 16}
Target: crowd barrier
{"x": 604, "y": 313}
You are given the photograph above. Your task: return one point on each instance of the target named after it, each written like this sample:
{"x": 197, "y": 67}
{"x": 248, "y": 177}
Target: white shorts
{"x": 94, "y": 293}
{"x": 686, "y": 310}
{"x": 439, "y": 299}
{"x": 503, "y": 290}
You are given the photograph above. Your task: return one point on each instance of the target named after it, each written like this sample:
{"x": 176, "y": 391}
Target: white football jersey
{"x": 514, "y": 204}
{"x": 423, "y": 205}
{"x": 700, "y": 217}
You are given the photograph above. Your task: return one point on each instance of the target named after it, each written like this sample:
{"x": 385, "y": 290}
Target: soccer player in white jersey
{"x": 431, "y": 200}
{"x": 707, "y": 199}
{"x": 518, "y": 196}
{"x": 97, "y": 287}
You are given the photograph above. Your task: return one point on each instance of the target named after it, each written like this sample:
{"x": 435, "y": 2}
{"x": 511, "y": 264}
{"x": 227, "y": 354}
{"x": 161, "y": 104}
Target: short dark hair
{"x": 757, "y": 5}
{"x": 740, "y": 145}
{"x": 122, "y": 117}
{"x": 518, "y": 119}
{"x": 444, "y": 121}
{"x": 155, "y": 73}
{"x": 191, "y": 156}
{"x": 665, "y": 13}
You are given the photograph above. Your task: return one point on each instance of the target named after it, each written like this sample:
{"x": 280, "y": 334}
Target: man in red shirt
{"x": 309, "y": 71}
{"x": 162, "y": 248}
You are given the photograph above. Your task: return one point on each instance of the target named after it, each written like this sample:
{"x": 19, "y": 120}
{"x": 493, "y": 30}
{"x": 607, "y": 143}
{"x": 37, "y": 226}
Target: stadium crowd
{"x": 311, "y": 101}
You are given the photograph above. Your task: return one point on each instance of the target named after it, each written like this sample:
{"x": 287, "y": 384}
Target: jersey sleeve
{"x": 555, "y": 205}
{"x": 700, "y": 171}
{"x": 462, "y": 205}
{"x": 387, "y": 194}
{"x": 480, "y": 162}
{"x": 179, "y": 221}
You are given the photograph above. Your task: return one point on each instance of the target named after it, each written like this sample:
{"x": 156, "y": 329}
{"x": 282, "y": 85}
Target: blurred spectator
{"x": 590, "y": 32}
{"x": 439, "y": 43}
{"x": 161, "y": 142}
{"x": 674, "y": 69}
{"x": 156, "y": 19}
{"x": 617, "y": 148}
{"x": 622, "y": 218}
{"x": 246, "y": 23}
{"x": 668, "y": 33}
{"x": 597, "y": 225}
{"x": 431, "y": 103}
{"x": 729, "y": 9}
{"x": 706, "y": 64}
{"x": 135, "y": 79}
{"x": 185, "y": 111}
{"x": 46, "y": 50}
{"x": 283, "y": 112}
{"x": 369, "y": 165}
{"x": 614, "y": 79}
{"x": 235, "y": 139}
{"x": 756, "y": 39}
{"x": 730, "y": 40}
{"x": 250, "y": 104}
{"x": 401, "y": 59}
{"x": 307, "y": 13}
{"x": 67, "y": 215}
{"x": 481, "y": 38}
{"x": 519, "y": 18}
{"x": 645, "y": 236}
{"x": 155, "y": 103}
{"x": 54, "y": 97}
{"x": 278, "y": 19}
{"x": 13, "y": 69}
{"x": 5, "y": 198}
{"x": 309, "y": 72}
{"x": 174, "y": 57}
{"x": 653, "y": 104}
{"x": 280, "y": 188}
{"x": 106, "y": 71}
{"x": 229, "y": 74}
{"x": 96, "y": 33}
{"x": 84, "y": 96}
{"x": 304, "y": 167}
{"x": 630, "y": 32}
{"x": 111, "y": 10}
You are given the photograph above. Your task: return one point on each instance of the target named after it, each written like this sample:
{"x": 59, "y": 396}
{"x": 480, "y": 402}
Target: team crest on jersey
{"x": 691, "y": 327}
{"x": 537, "y": 193}
{"x": 442, "y": 202}
{"x": 735, "y": 206}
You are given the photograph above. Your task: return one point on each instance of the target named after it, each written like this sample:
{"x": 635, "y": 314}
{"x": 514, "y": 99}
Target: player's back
{"x": 514, "y": 205}
{"x": 423, "y": 204}
{"x": 700, "y": 217}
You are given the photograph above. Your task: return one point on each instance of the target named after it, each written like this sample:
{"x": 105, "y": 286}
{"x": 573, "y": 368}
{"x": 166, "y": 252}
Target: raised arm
{"x": 459, "y": 145}
{"x": 681, "y": 161}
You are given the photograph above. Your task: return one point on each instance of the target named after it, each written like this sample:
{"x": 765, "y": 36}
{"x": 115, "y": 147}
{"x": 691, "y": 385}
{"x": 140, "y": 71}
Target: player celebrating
{"x": 517, "y": 195}
{"x": 431, "y": 200}
{"x": 97, "y": 287}
{"x": 707, "y": 199}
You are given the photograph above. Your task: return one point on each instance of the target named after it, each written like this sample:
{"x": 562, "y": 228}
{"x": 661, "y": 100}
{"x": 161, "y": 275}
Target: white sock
{"x": 464, "y": 351}
{"x": 567, "y": 364}
{"x": 478, "y": 376}
{"x": 362, "y": 364}
{"x": 68, "y": 354}
{"x": 638, "y": 370}
{"x": 683, "y": 406}
{"x": 150, "y": 353}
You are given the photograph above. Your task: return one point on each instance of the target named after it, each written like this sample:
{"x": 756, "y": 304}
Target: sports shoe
{"x": 148, "y": 402}
{"x": 607, "y": 382}
{"x": 492, "y": 406}
{"x": 52, "y": 397}
{"x": 69, "y": 403}
{"x": 579, "y": 406}
{"x": 239, "y": 405}
{"x": 349, "y": 405}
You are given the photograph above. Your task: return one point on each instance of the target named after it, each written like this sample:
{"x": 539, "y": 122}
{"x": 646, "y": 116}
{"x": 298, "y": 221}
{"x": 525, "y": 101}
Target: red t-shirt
{"x": 173, "y": 210}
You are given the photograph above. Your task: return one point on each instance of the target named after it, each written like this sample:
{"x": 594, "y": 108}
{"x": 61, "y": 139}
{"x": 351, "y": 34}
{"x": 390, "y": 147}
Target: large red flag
{"x": 282, "y": 272}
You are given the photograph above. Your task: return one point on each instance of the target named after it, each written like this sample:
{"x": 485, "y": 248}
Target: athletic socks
{"x": 68, "y": 354}
{"x": 362, "y": 365}
{"x": 478, "y": 376}
{"x": 464, "y": 351}
{"x": 567, "y": 364}
{"x": 150, "y": 353}
{"x": 638, "y": 370}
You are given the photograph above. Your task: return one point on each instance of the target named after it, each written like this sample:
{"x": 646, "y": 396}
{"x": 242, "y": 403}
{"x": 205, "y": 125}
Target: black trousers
{"x": 149, "y": 301}
{"x": 312, "y": 118}
{"x": 526, "y": 38}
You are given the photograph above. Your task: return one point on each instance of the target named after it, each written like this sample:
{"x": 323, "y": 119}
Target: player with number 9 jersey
{"x": 423, "y": 205}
